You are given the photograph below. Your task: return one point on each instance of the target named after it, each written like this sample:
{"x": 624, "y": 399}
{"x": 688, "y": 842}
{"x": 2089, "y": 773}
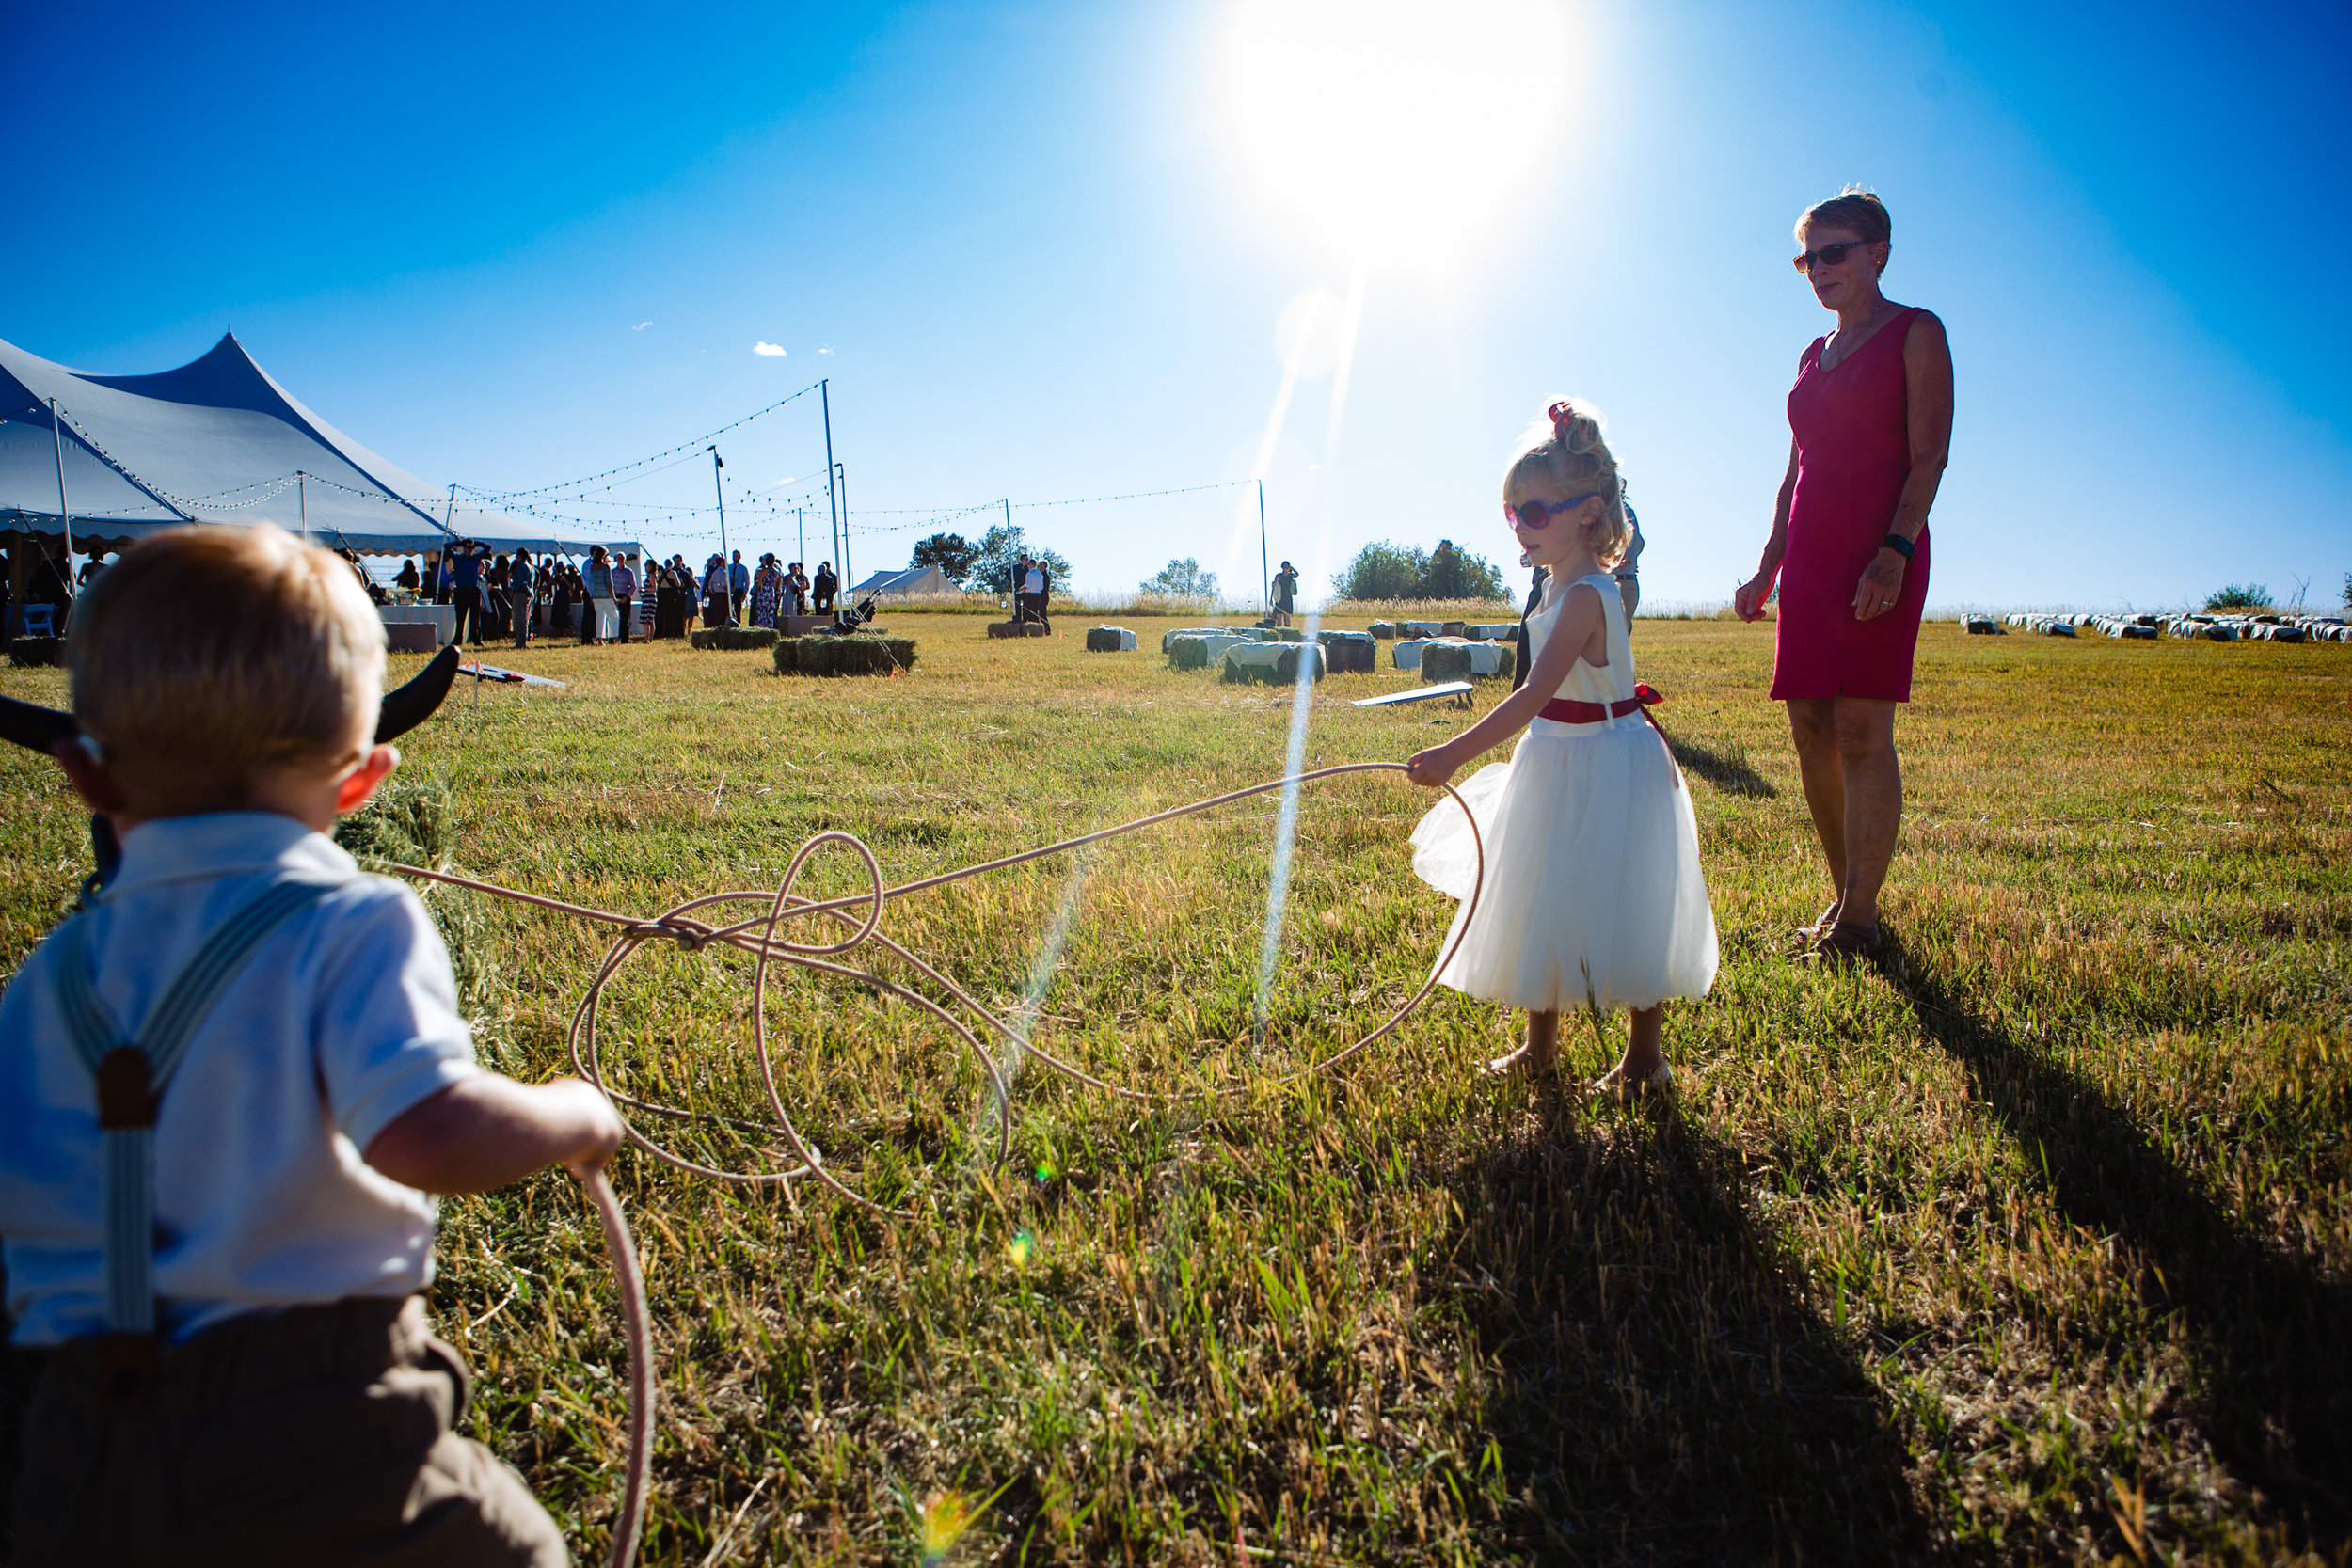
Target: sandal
{"x": 1618, "y": 1089}
{"x": 1844, "y": 944}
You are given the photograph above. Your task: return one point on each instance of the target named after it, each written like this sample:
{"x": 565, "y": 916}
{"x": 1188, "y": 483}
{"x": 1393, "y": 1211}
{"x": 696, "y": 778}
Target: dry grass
{"x": 2031, "y": 1246}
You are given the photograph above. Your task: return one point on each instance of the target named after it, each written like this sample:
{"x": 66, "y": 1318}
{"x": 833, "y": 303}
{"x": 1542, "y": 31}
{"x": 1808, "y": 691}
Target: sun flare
{"x": 1396, "y": 130}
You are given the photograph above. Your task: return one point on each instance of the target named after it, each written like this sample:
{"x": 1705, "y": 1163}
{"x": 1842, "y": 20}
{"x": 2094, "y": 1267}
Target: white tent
{"x": 914, "y": 582}
{"x": 219, "y": 441}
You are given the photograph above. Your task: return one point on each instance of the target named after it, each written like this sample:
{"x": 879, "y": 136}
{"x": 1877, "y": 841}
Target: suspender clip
{"x": 126, "y": 1089}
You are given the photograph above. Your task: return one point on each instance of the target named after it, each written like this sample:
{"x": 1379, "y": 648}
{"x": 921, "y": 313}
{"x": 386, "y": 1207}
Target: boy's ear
{"x": 363, "y": 781}
{"x": 91, "y": 781}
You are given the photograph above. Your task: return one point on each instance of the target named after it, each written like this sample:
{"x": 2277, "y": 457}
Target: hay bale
{"x": 33, "y": 652}
{"x": 1984, "y": 626}
{"x": 1461, "y": 660}
{"x": 1110, "y": 639}
{"x": 1287, "y": 634}
{"x": 733, "y": 639}
{"x": 1382, "y": 630}
{"x": 2286, "y": 634}
{"x": 1406, "y": 654}
{"x": 1496, "y": 631}
{"x": 2057, "y": 627}
{"x": 859, "y": 655}
{"x": 1272, "y": 663}
{"x": 1349, "y": 651}
{"x": 1454, "y": 628}
{"x": 1422, "y": 628}
{"x": 1168, "y": 639}
{"x": 1198, "y": 651}
{"x": 1016, "y": 628}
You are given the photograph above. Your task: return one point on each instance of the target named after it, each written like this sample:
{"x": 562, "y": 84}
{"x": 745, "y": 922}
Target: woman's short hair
{"x": 1858, "y": 211}
{"x": 1565, "y": 447}
{"x": 206, "y": 656}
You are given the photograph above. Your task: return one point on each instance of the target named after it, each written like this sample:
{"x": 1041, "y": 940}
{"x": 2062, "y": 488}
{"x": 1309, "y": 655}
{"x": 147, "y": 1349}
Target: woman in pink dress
{"x": 1871, "y": 425}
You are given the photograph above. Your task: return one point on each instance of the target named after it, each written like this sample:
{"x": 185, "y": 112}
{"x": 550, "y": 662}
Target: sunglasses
{"x": 1828, "y": 255}
{"x": 1539, "y": 515}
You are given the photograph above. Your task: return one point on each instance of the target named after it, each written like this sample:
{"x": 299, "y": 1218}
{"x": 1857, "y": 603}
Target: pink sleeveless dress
{"x": 1853, "y": 453}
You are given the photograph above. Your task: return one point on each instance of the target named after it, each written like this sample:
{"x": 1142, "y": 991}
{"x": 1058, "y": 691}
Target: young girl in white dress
{"x": 1592, "y": 894}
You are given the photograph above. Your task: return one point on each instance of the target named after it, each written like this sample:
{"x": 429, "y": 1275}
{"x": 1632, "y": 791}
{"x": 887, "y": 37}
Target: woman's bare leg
{"x": 1536, "y": 1053}
{"x": 1874, "y": 776}
{"x": 1813, "y": 724}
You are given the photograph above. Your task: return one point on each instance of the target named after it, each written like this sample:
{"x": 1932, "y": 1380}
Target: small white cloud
{"x": 827, "y": 349}
{"x": 769, "y": 351}
{"x": 641, "y": 326}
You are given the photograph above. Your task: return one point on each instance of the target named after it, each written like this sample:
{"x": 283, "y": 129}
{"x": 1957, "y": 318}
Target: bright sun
{"x": 1397, "y": 130}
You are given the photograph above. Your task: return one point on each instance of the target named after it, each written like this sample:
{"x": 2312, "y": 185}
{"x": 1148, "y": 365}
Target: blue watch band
{"x": 1899, "y": 544}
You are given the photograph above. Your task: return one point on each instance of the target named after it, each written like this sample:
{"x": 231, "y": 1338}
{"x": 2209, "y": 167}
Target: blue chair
{"x": 40, "y": 620}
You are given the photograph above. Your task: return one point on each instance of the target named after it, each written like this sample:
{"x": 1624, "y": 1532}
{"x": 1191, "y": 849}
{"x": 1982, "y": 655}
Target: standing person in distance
{"x": 738, "y": 589}
{"x": 1285, "y": 593}
{"x": 1870, "y": 430}
{"x": 599, "y": 583}
{"x": 714, "y": 588}
{"x": 827, "y": 585}
{"x": 625, "y": 593}
{"x": 520, "y": 591}
{"x": 767, "y": 593}
{"x": 464, "y": 575}
{"x": 1628, "y": 571}
{"x": 1593, "y": 894}
{"x": 1040, "y": 583}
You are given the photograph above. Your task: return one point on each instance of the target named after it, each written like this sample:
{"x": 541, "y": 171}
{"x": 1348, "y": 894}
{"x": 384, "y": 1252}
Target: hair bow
{"x": 1563, "y": 414}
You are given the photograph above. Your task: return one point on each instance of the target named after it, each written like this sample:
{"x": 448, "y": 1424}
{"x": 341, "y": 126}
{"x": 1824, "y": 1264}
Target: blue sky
{"x": 1027, "y": 247}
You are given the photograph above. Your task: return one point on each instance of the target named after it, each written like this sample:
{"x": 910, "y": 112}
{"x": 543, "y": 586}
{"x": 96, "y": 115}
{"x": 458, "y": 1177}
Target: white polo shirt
{"x": 342, "y": 1019}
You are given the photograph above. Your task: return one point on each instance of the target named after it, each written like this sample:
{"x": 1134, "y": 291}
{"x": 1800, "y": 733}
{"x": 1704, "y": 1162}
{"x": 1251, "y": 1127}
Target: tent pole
{"x": 302, "y": 500}
{"x": 802, "y": 526}
{"x": 833, "y": 510}
{"x": 720, "y": 490}
{"x": 844, "y": 472}
{"x": 448, "y": 512}
{"x": 65, "y": 516}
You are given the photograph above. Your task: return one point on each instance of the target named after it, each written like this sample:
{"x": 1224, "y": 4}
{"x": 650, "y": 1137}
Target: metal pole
{"x": 716, "y": 464}
{"x": 833, "y": 510}
{"x": 65, "y": 515}
{"x": 1265, "y": 563}
{"x": 448, "y": 513}
{"x": 302, "y": 500}
{"x": 844, "y": 473}
{"x": 801, "y": 528}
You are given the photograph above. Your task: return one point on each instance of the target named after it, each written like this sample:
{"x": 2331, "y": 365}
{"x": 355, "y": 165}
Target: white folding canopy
{"x": 219, "y": 441}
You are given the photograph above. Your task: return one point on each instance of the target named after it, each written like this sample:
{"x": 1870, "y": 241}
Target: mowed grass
{"x": 2030, "y": 1246}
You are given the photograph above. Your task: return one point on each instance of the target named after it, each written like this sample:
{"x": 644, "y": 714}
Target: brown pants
{"x": 316, "y": 1436}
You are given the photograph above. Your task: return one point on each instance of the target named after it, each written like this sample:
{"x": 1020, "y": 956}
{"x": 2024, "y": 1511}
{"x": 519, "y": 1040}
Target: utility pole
{"x": 718, "y": 462}
{"x": 1265, "y": 563}
{"x": 842, "y": 473}
{"x": 833, "y": 508}
{"x": 65, "y": 516}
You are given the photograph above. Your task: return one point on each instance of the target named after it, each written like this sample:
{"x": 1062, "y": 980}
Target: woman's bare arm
{"x": 1927, "y": 391}
{"x": 1748, "y": 600}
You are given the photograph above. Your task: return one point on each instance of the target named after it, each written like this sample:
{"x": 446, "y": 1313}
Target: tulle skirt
{"x": 1593, "y": 891}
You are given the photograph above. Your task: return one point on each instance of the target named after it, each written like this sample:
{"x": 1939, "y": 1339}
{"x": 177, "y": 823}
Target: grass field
{"x": 2031, "y": 1246}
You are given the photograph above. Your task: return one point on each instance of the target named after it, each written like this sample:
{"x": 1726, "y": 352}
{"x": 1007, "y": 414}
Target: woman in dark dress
{"x": 1871, "y": 425}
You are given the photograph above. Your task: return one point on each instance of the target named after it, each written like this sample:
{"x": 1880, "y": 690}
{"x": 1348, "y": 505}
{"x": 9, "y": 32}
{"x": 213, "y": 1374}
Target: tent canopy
{"x": 914, "y": 582}
{"x": 219, "y": 441}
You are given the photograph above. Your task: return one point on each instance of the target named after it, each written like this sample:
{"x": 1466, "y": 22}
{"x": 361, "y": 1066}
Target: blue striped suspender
{"x": 132, "y": 1075}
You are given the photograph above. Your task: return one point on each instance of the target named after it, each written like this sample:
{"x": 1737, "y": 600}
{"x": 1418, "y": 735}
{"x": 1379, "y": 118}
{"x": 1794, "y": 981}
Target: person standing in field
{"x": 1285, "y": 593}
{"x": 1628, "y": 571}
{"x": 625, "y": 594}
{"x": 826, "y": 587}
{"x": 519, "y": 593}
{"x": 597, "y": 580}
{"x": 1870, "y": 421}
{"x": 1592, "y": 895}
{"x": 767, "y": 593}
{"x": 739, "y": 588}
{"x": 466, "y": 590}
{"x": 1039, "y": 585}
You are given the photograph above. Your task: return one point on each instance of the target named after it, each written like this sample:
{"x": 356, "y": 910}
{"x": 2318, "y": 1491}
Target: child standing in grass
{"x": 226, "y": 1090}
{"x": 1593, "y": 894}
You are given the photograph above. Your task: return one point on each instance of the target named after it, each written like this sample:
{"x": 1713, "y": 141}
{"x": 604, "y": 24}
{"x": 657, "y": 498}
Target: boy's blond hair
{"x": 205, "y": 656}
{"x": 1565, "y": 448}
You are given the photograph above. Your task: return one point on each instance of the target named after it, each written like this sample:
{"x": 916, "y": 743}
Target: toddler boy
{"x": 226, "y": 1090}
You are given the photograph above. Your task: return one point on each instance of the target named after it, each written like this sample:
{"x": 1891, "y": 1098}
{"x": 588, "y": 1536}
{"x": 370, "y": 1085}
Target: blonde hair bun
{"x": 1567, "y": 449}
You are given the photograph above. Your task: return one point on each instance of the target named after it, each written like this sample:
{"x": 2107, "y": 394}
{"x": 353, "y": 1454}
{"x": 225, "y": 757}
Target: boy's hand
{"x": 488, "y": 1131}
{"x": 603, "y": 1133}
{"x": 1430, "y": 767}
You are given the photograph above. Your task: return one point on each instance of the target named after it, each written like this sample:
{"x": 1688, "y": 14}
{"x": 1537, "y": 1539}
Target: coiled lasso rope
{"x": 757, "y": 936}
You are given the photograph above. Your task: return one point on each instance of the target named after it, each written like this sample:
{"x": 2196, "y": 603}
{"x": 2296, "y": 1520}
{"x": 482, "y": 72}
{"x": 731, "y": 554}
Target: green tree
{"x": 952, "y": 553}
{"x": 1182, "y": 580}
{"x": 998, "y": 549}
{"x": 1386, "y": 571}
{"x": 2240, "y": 595}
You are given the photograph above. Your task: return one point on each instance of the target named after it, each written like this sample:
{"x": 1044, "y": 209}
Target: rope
{"x": 757, "y": 936}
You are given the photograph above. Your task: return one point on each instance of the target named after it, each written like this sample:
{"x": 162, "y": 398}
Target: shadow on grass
{"x": 1664, "y": 1393}
{"x": 1727, "y": 769}
{"x": 2271, "y": 1338}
